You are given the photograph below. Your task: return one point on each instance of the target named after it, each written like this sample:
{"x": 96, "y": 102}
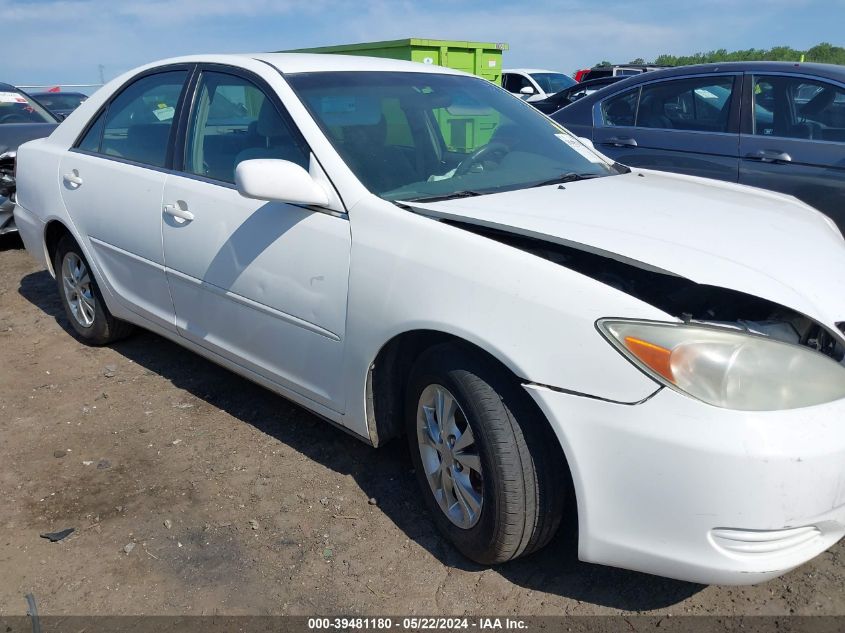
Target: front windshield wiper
{"x": 569, "y": 176}
{"x": 464, "y": 193}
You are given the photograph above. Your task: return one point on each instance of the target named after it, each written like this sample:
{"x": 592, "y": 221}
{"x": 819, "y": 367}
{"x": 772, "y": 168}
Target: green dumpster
{"x": 461, "y": 133}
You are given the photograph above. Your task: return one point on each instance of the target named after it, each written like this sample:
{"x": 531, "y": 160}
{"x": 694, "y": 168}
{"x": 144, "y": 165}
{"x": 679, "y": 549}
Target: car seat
{"x": 272, "y": 139}
{"x": 813, "y": 109}
{"x": 381, "y": 167}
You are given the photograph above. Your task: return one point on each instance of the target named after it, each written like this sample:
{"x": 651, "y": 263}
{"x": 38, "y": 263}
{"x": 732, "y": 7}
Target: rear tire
{"x": 84, "y": 305}
{"x": 489, "y": 467}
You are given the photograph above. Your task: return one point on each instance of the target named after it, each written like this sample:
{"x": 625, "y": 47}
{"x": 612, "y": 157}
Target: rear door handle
{"x": 177, "y": 211}
{"x": 72, "y": 179}
{"x": 620, "y": 141}
{"x": 770, "y": 156}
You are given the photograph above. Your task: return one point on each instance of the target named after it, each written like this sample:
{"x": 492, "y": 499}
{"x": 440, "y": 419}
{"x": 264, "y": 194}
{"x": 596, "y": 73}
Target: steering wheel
{"x": 479, "y": 155}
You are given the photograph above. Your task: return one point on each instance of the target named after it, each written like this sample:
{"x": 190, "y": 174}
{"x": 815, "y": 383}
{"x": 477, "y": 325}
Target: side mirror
{"x": 526, "y": 90}
{"x": 278, "y": 180}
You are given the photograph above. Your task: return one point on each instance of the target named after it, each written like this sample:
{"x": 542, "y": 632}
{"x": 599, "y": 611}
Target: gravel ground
{"x": 193, "y": 491}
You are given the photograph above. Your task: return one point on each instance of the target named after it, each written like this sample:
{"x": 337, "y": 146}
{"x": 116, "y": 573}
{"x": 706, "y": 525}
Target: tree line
{"x": 824, "y": 52}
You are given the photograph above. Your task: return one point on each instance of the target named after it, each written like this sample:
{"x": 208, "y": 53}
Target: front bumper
{"x": 679, "y": 488}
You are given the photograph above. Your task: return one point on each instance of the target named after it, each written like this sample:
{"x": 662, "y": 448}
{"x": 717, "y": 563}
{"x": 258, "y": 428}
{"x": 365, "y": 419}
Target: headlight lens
{"x": 728, "y": 369}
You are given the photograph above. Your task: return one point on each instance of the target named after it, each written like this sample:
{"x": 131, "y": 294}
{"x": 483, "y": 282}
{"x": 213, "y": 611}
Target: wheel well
{"x": 387, "y": 382}
{"x": 54, "y": 232}
{"x": 387, "y": 379}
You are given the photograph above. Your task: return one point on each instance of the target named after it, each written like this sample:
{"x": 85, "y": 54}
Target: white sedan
{"x": 535, "y": 84}
{"x": 407, "y": 250}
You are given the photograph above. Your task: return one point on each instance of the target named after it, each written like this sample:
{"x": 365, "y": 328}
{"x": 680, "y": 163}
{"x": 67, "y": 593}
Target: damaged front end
{"x": 729, "y": 349}
{"x": 7, "y": 191}
{"x": 678, "y": 296}
{"x": 7, "y": 174}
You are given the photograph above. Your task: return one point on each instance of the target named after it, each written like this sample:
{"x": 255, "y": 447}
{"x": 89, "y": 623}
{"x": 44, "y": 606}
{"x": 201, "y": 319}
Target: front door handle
{"x": 620, "y": 141}
{"x": 72, "y": 179}
{"x": 177, "y": 211}
{"x": 770, "y": 156}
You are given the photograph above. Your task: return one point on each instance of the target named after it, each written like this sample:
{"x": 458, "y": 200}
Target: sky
{"x": 66, "y": 41}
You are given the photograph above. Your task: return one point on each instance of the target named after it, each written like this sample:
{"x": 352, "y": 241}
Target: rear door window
{"x": 702, "y": 104}
{"x": 139, "y": 120}
{"x": 91, "y": 141}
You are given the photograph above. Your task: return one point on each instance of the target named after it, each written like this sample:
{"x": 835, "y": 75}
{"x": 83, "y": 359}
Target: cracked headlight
{"x": 727, "y": 368}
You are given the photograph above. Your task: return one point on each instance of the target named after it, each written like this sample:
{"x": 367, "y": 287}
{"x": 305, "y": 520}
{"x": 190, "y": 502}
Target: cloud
{"x": 555, "y": 35}
{"x": 150, "y": 10}
{"x": 68, "y": 39}
{"x": 204, "y": 10}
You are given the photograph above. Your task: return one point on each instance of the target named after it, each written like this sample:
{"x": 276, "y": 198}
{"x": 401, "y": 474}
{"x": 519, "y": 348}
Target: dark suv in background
{"x": 613, "y": 70}
{"x": 60, "y": 103}
{"x": 776, "y": 125}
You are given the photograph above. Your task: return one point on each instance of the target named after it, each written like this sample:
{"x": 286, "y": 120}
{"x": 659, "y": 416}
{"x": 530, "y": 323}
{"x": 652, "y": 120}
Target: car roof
{"x": 531, "y": 70}
{"x": 286, "y": 63}
{"x": 292, "y": 63}
{"x": 830, "y": 71}
{"x": 8, "y": 88}
{"x": 824, "y": 71}
{"x": 316, "y": 62}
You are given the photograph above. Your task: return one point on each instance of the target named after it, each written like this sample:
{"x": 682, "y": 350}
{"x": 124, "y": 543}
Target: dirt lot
{"x": 268, "y": 508}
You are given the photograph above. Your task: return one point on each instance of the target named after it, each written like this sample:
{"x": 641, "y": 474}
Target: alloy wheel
{"x": 76, "y": 281}
{"x": 449, "y": 456}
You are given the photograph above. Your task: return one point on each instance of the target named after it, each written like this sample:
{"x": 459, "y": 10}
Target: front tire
{"x": 485, "y": 461}
{"x": 84, "y": 306}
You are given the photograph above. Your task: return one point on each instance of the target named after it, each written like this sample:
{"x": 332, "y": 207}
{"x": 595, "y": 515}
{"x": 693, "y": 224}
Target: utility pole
{"x": 102, "y": 77}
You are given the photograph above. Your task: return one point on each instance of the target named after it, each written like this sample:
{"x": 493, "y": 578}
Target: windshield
{"x": 16, "y": 107}
{"x": 552, "y": 82}
{"x": 427, "y": 135}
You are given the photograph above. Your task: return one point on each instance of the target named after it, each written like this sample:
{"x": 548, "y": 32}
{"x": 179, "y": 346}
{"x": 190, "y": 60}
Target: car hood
{"x": 721, "y": 234}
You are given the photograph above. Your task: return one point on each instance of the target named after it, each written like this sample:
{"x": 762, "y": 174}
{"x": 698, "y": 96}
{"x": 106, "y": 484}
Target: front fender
{"x": 536, "y": 317}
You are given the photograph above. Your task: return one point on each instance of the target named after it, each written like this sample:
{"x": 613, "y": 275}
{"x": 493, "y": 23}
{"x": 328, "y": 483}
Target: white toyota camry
{"x": 409, "y": 250}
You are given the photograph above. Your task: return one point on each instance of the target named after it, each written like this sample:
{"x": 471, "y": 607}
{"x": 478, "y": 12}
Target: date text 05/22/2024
{"x": 417, "y": 623}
